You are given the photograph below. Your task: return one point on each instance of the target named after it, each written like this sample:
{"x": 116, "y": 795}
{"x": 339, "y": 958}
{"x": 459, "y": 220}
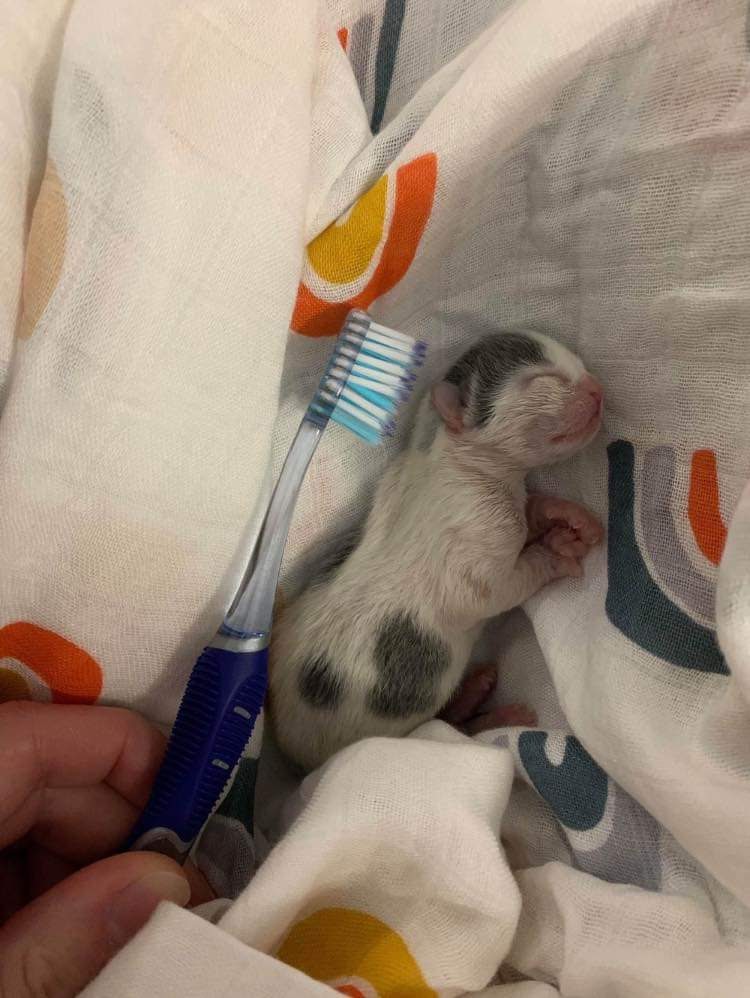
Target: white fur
{"x": 444, "y": 542}
{"x": 559, "y": 355}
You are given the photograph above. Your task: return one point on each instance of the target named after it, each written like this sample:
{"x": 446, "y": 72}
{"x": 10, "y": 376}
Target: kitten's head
{"x": 523, "y": 394}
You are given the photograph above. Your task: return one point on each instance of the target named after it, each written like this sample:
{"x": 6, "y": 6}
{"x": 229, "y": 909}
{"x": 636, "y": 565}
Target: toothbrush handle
{"x": 221, "y": 703}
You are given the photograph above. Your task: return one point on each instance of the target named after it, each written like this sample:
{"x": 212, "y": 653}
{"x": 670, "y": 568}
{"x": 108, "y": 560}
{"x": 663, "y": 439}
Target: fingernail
{"x": 134, "y": 905}
{"x": 165, "y": 885}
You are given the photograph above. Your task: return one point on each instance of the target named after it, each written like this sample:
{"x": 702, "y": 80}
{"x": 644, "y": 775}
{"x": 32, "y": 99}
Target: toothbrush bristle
{"x": 372, "y": 371}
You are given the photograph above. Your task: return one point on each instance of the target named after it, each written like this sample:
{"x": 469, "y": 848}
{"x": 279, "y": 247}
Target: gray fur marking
{"x": 337, "y": 554}
{"x": 480, "y": 372}
{"x": 409, "y": 662}
{"x": 426, "y": 432}
{"x": 320, "y": 685}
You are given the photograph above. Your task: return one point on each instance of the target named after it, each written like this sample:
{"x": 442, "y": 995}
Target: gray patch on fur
{"x": 320, "y": 684}
{"x": 426, "y": 430}
{"x": 337, "y": 554}
{"x": 479, "y": 374}
{"x": 409, "y": 661}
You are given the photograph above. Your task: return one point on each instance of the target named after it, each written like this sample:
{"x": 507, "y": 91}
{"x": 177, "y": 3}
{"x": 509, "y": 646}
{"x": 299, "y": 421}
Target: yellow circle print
{"x": 355, "y": 954}
{"x": 45, "y": 251}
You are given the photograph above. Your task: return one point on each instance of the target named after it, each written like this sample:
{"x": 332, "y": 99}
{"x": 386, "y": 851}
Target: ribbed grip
{"x": 217, "y": 714}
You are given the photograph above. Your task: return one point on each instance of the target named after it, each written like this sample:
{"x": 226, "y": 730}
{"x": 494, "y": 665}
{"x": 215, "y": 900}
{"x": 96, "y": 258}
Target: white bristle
{"x": 381, "y": 342}
{"x": 359, "y": 358}
{"x": 353, "y": 410}
{"x": 344, "y": 350}
{"x": 391, "y": 335}
{"x": 371, "y": 379}
{"x": 387, "y": 353}
{"x": 370, "y": 374}
{"x": 371, "y": 407}
{"x": 370, "y": 363}
{"x": 351, "y": 396}
{"x": 344, "y": 364}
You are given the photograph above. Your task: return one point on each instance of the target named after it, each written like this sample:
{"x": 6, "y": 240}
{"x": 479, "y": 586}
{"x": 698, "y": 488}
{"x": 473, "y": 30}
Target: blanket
{"x": 192, "y": 196}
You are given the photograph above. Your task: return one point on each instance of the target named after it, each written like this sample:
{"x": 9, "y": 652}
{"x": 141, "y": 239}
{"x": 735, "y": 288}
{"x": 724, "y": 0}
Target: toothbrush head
{"x": 371, "y": 373}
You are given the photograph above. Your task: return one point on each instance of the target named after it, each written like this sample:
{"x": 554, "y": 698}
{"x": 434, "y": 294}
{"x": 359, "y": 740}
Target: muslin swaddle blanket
{"x": 192, "y": 195}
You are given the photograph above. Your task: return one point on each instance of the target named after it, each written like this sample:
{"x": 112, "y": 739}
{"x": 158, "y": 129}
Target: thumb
{"x": 60, "y": 942}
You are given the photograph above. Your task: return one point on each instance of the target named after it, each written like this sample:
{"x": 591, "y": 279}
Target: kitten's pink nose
{"x": 592, "y": 387}
{"x": 583, "y": 412}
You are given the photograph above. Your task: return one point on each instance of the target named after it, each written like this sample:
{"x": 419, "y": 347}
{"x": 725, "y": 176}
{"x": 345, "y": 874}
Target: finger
{"x": 43, "y": 869}
{"x": 82, "y": 824}
{"x": 55, "y": 745}
{"x": 13, "y": 879}
{"x": 59, "y": 942}
{"x": 200, "y": 889}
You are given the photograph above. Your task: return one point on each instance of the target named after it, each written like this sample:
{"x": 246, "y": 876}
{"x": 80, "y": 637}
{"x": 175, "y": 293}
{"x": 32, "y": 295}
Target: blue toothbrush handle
{"x": 221, "y": 703}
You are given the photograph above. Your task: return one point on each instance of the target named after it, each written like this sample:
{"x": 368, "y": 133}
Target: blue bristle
{"x": 367, "y": 433}
{"x": 366, "y": 351}
{"x": 389, "y": 404}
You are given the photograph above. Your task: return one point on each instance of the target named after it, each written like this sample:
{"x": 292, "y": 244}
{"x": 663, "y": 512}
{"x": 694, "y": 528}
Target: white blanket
{"x": 191, "y": 197}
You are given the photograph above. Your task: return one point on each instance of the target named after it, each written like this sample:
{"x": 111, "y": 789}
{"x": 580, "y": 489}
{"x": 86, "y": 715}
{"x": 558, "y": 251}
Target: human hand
{"x": 72, "y": 783}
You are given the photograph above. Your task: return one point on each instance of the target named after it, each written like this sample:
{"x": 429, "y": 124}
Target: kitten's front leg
{"x": 561, "y": 525}
{"x": 536, "y": 565}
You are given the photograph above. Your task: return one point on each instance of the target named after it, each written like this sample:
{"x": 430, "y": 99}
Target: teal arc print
{"x": 635, "y": 604}
{"x": 576, "y": 789}
{"x": 388, "y": 40}
{"x": 239, "y": 802}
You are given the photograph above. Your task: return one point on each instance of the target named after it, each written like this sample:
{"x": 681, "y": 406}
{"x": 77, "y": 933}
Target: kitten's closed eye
{"x": 551, "y": 375}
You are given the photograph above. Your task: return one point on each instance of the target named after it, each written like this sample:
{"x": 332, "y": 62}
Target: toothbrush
{"x": 371, "y": 373}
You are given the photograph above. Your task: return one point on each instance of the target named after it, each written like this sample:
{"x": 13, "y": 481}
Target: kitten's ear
{"x": 447, "y": 401}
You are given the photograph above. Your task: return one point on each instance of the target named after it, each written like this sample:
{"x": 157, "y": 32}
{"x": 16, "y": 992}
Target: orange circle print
{"x": 345, "y": 250}
{"x": 71, "y": 674}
